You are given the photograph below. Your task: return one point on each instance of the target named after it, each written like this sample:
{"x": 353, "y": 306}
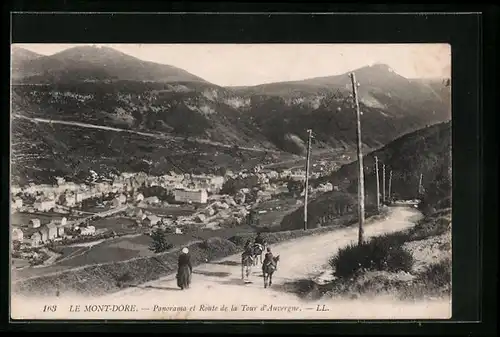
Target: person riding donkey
{"x": 249, "y": 250}
{"x": 269, "y": 266}
{"x": 248, "y": 247}
{"x": 260, "y": 239}
{"x": 268, "y": 259}
{"x": 260, "y": 245}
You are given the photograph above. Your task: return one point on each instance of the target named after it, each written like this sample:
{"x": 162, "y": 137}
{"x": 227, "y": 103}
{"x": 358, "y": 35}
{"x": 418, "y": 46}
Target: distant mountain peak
{"x": 93, "y": 53}
{"x": 376, "y": 67}
{"x": 22, "y": 54}
{"x": 93, "y": 62}
{"x": 380, "y": 66}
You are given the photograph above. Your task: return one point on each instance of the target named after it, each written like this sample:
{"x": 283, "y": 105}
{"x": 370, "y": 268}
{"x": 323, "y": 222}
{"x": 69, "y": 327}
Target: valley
{"x": 118, "y": 163}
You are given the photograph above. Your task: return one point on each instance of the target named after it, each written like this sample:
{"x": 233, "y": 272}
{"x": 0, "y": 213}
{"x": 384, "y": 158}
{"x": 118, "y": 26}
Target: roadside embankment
{"x": 411, "y": 264}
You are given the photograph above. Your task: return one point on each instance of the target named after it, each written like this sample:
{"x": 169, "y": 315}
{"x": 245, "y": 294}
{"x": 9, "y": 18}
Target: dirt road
{"x": 218, "y": 285}
{"x": 145, "y": 134}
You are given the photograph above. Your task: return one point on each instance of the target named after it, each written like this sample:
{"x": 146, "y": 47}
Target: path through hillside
{"x": 219, "y": 283}
{"x": 146, "y": 134}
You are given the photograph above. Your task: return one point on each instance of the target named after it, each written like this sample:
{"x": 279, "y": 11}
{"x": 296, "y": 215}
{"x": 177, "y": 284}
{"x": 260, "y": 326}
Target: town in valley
{"x": 282, "y": 186}
{"x": 49, "y": 219}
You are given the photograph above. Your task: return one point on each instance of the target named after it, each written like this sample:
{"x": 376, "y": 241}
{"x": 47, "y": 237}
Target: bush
{"x": 430, "y": 227}
{"x": 229, "y": 187}
{"x": 295, "y": 187}
{"x": 204, "y": 244}
{"x": 437, "y": 275}
{"x": 238, "y": 240}
{"x": 382, "y": 253}
{"x": 159, "y": 243}
{"x": 123, "y": 278}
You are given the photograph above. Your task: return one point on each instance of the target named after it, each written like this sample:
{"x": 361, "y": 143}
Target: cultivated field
{"x": 118, "y": 224}
{"x": 174, "y": 210}
{"x": 121, "y": 249}
{"x": 276, "y": 209}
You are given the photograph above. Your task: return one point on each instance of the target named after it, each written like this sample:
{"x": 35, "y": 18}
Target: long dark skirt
{"x": 184, "y": 277}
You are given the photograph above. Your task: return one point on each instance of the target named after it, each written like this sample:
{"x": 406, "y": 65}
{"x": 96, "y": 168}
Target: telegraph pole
{"x": 420, "y": 184}
{"x": 306, "y": 192}
{"x": 383, "y": 183}
{"x": 390, "y": 183}
{"x": 361, "y": 178}
{"x": 378, "y": 184}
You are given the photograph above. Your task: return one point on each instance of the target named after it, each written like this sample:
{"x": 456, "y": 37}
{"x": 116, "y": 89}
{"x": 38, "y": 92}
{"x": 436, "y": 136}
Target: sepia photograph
{"x": 231, "y": 181}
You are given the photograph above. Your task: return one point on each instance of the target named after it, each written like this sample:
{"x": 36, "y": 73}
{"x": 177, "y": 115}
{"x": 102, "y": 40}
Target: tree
{"x": 221, "y": 171}
{"x": 251, "y": 217}
{"x": 295, "y": 187}
{"x": 159, "y": 243}
{"x": 229, "y": 187}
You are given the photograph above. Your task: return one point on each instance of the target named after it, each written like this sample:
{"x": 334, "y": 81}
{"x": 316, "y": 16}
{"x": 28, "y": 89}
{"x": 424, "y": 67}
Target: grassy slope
{"x": 428, "y": 243}
{"x": 42, "y": 151}
{"x": 426, "y": 151}
{"x": 426, "y": 274}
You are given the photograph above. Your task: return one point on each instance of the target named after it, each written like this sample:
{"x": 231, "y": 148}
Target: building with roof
{"x": 44, "y": 205}
{"x": 17, "y": 234}
{"x": 152, "y": 220}
{"x": 67, "y": 200}
{"x": 119, "y": 200}
{"x": 17, "y": 203}
{"x": 34, "y": 240}
{"x": 34, "y": 223}
{"x": 89, "y": 230}
{"x": 185, "y": 195}
{"x": 48, "y": 232}
{"x": 61, "y": 230}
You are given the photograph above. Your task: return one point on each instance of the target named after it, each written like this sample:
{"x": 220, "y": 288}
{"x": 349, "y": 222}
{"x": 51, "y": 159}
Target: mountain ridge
{"x": 314, "y": 81}
{"x": 80, "y": 85}
{"x": 96, "y": 63}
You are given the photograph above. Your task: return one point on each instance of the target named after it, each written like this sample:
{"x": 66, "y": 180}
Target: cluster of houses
{"x": 35, "y": 234}
{"x": 181, "y": 195}
{"x": 146, "y": 219}
{"x": 186, "y": 188}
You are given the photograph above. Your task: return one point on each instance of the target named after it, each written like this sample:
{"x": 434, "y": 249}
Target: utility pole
{"x": 361, "y": 178}
{"x": 306, "y": 191}
{"x": 378, "y": 184}
{"x": 390, "y": 184}
{"x": 420, "y": 185}
{"x": 383, "y": 183}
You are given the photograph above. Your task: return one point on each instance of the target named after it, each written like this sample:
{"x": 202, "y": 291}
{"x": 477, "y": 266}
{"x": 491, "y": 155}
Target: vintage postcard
{"x": 230, "y": 181}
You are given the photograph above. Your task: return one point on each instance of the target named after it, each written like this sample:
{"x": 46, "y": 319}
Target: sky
{"x": 252, "y": 64}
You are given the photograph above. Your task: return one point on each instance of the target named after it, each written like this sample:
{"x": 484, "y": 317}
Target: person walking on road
{"x": 184, "y": 269}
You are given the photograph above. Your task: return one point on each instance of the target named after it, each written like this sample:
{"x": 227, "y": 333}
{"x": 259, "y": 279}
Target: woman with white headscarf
{"x": 184, "y": 269}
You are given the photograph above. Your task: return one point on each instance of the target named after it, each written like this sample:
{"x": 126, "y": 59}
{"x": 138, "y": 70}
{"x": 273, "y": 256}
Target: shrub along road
{"x": 219, "y": 283}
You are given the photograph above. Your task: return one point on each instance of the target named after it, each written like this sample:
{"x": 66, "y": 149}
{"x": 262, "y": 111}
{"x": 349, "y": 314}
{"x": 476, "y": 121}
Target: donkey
{"x": 258, "y": 251}
{"x": 268, "y": 270}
